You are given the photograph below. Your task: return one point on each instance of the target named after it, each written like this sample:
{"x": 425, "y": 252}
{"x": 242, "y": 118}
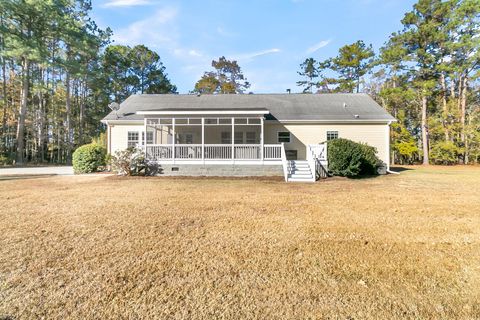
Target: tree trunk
{"x": 445, "y": 107}
{"x": 463, "y": 107}
{"x": 68, "y": 124}
{"x": 3, "y": 144}
{"x": 82, "y": 113}
{"x": 22, "y": 112}
{"x": 463, "y": 112}
{"x": 425, "y": 131}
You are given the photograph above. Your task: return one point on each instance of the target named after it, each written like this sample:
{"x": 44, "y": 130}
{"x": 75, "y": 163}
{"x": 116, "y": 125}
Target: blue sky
{"x": 269, "y": 38}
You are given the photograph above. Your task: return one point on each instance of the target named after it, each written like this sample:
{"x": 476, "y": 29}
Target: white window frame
{"x": 184, "y": 136}
{"x": 238, "y": 137}
{"x": 289, "y": 137}
{"x": 332, "y": 132}
{"x": 249, "y": 140}
{"x": 224, "y": 139}
{"x": 149, "y": 141}
{"x": 131, "y": 141}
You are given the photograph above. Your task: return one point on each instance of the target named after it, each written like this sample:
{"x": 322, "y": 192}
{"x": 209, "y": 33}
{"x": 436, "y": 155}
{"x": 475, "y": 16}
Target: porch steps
{"x": 299, "y": 171}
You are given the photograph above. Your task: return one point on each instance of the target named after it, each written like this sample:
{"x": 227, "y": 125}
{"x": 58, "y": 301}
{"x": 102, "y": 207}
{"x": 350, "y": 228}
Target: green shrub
{"x": 89, "y": 158}
{"x": 4, "y": 160}
{"x": 445, "y": 153}
{"x": 350, "y": 159}
{"x": 129, "y": 162}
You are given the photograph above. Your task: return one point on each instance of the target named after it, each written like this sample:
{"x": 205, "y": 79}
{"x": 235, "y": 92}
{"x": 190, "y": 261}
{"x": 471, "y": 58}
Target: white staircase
{"x": 300, "y": 171}
{"x": 306, "y": 170}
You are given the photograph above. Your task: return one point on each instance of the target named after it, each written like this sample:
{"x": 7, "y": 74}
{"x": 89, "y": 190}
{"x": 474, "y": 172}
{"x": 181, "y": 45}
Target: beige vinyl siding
{"x": 119, "y": 135}
{"x": 375, "y": 135}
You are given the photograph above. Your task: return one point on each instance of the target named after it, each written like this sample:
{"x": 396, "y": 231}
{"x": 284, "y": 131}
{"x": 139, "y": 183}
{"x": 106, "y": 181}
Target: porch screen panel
{"x": 226, "y": 137}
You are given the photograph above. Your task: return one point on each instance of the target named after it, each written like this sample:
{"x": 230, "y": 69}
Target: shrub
{"x": 4, "y": 160}
{"x": 129, "y": 162}
{"x": 445, "y": 153}
{"x": 89, "y": 158}
{"x": 350, "y": 159}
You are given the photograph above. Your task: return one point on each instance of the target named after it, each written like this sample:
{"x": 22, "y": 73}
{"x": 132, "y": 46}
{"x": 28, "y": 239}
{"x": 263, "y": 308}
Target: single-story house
{"x": 246, "y": 134}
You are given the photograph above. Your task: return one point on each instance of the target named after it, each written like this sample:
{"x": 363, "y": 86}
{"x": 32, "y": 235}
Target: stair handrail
{"x": 315, "y": 161}
{"x": 311, "y": 162}
{"x": 284, "y": 162}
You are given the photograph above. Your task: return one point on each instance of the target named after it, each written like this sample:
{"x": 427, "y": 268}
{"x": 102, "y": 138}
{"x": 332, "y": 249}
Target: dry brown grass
{"x": 391, "y": 247}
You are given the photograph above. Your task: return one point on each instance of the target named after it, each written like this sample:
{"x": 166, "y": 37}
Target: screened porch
{"x": 212, "y": 139}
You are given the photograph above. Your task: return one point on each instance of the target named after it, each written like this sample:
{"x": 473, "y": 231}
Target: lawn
{"x": 394, "y": 247}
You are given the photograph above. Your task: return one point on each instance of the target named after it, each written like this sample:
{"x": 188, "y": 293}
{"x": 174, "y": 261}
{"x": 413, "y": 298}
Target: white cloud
{"x": 194, "y": 53}
{"x": 253, "y": 55}
{"x": 155, "y": 30}
{"x": 317, "y": 46}
{"x": 125, "y": 3}
{"x": 225, "y": 33}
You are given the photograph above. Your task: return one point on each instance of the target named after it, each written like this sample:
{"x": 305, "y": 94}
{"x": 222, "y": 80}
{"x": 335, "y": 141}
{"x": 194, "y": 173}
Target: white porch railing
{"x": 158, "y": 151}
{"x": 272, "y": 151}
{"x": 188, "y": 151}
{"x": 213, "y": 152}
{"x": 218, "y": 151}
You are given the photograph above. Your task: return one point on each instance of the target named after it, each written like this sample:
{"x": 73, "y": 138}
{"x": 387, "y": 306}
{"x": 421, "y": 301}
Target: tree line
{"x": 426, "y": 75}
{"x": 59, "y": 73}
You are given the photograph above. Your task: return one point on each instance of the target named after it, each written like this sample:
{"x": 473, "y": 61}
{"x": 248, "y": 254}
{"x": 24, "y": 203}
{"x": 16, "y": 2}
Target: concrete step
{"x": 301, "y": 173}
{"x": 296, "y": 179}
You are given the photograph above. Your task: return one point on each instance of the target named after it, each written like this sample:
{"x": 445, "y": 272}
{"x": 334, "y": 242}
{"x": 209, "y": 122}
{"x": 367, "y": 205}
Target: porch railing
{"x": 213, "y": 152}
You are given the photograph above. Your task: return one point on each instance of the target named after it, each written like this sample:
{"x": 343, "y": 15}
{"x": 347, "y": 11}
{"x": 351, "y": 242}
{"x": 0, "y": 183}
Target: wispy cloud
{"x": 253, "y": 55}
{"x": 224, "y": 32}
{"x": 317, "y": 46}
{"x": 125, "y": 3}
{"x": 155, "y": 30}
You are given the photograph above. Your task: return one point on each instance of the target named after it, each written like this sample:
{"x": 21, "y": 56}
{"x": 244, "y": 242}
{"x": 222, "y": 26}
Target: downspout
{"x": 388, "y": 149}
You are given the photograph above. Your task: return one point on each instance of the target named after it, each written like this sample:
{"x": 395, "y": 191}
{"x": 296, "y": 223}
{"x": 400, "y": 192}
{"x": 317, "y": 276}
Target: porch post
{"x": 261, "y": 139}
{"x": 145, "y": 134}
{"x": 173, "y": 140}
{"x": 233, "y": 139}
{"x": 203, "y": 140}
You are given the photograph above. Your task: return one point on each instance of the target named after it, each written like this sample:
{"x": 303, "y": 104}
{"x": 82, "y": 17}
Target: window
{"x": 332, "y": 135}
{"x": 251, "y": 137}
{"x": 149, "y": 137}
{"x": 185, "y": 138}
{"x": 226, "y": 137}
{"x": 132, "y": 139}
{"x": 283, "y": 136}
{"x": 238, "y": 137}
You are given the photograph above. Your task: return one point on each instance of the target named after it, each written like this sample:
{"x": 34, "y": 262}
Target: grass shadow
{"x": 24, "y": 177}
{"x": 400, "y": 169}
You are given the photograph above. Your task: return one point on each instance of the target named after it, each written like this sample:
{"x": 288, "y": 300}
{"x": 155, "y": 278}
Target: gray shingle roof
{"x": 321, "y": 107}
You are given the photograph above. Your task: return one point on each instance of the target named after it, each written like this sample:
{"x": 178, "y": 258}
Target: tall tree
{"x": 308, "y": 70}
{"x": 227, "y": 78}
{"x": 352, "y": 63}
{"x": 147, "y": 67}
{"x": 421, "y": 38}
{"x": 23, "y": 33}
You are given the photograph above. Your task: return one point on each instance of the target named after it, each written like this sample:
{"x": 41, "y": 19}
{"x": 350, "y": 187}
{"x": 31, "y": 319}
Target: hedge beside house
{"x": 350, "y": 159}
{"x": 89, "y": 158}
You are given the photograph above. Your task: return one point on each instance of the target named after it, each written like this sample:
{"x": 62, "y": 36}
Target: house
{"x": 250, "y": 134}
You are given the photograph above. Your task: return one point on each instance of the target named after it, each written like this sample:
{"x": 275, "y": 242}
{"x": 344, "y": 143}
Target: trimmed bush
{"x": 350, "y": 159}
{"x": 129, "y": 162}
{"x": 89, "y": 158}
